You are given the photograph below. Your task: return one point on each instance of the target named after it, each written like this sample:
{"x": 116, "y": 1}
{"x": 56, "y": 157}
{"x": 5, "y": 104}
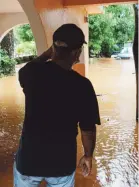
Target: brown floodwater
{"x": 115, "y": 161}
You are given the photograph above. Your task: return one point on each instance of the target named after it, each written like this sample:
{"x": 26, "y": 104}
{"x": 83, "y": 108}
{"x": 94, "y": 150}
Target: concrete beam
{"x": 96, "y": 2}
{"x": 94, "y": 9}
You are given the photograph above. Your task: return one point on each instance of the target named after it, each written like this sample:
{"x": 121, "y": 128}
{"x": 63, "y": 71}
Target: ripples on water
{"x": 118, "y": 164}
{"x": 116, "y": 154}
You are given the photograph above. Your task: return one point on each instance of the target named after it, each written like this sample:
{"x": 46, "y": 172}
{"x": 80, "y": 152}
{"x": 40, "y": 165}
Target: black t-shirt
{"x": 56, "y": 101}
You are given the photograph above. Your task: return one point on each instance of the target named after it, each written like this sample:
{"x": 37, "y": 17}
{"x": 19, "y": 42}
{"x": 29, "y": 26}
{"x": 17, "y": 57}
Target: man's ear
{"x": 76, "y": 55}
{"x": 77, "y": 52}
{"x": 53, "y": 48}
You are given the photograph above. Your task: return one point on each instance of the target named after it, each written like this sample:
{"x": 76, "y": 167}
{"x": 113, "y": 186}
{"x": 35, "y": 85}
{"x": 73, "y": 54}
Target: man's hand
{"x": 49, "y": 52}
{"x": 46, "y": 55}
{"x": 89, "y": 141}
{"x": 86, "y": 165}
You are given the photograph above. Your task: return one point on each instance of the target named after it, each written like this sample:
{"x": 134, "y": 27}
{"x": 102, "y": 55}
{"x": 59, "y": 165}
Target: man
{"x": 57, "y": 99}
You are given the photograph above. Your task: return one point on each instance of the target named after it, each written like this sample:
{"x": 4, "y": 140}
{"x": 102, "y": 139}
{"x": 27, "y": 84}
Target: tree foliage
{"x": 7, "y": 64}
{"x": 23, "y": 33}
{"x": 18, "y": 42}
{"x": 26, "y": 48}
{"x": 7, "y": 44}
{"x": 109, "y": 31}
{"x": 24, "y": 41}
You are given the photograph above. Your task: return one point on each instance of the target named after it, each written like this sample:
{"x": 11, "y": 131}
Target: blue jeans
{"x": 29, "y": 181}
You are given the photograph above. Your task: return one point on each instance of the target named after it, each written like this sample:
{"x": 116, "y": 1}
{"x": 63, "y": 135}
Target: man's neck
{"x": 63, "y": 63}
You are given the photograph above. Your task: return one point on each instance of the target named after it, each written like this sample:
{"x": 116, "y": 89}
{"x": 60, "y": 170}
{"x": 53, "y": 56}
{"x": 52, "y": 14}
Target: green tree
{"x": 7, "y": 64}
{"x": 24, "y": 40}
{"x": 109, "y": 31}
{"x": 7, "y": 44}
{"x": 23, "y": 33}
{"x": 26, "y": 48}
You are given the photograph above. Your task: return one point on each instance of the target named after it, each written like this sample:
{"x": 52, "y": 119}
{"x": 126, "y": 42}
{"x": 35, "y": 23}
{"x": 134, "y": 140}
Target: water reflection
{"x": 115, "y": 161}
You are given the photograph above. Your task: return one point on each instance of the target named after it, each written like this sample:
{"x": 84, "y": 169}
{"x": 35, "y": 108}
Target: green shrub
{"x": 26, "y": 49}
{"x": 115, "y": 27}
{"x": 25, "y": 59}
{"x": 7, "y": 64}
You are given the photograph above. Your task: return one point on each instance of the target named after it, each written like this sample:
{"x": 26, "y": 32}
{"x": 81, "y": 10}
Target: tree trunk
{"x": 135, "y": 53}
{"x": 7, "y": 44}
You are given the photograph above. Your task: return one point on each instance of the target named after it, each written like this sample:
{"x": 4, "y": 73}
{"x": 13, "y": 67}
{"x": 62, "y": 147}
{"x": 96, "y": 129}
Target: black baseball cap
{"x": 69, "y": 36}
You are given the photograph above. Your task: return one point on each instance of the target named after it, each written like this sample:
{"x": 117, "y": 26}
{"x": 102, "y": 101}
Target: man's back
{"x": 54, "y": 98}
{"x": 57, "y": 100}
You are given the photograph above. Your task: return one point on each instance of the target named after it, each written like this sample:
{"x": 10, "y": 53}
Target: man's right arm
{"x": 24, "y": 73}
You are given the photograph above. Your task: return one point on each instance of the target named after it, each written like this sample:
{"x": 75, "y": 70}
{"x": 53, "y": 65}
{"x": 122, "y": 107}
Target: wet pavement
{"x": 115, "y": 161}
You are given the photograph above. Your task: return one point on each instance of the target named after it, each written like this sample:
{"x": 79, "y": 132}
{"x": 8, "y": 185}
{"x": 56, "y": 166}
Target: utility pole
{"x": 135, "y": 53}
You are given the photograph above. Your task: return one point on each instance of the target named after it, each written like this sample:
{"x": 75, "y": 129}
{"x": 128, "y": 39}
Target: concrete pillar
{"x": 45, "y": 16}
{"x": 52, "y": 18}
{"x": 35, "y": 23}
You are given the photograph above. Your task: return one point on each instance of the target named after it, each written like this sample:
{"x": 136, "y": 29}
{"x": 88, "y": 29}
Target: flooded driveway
{"x": 115, "y": 161}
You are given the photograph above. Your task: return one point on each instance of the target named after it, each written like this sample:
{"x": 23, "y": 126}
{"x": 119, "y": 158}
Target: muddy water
{"x": 115, "y": 161}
